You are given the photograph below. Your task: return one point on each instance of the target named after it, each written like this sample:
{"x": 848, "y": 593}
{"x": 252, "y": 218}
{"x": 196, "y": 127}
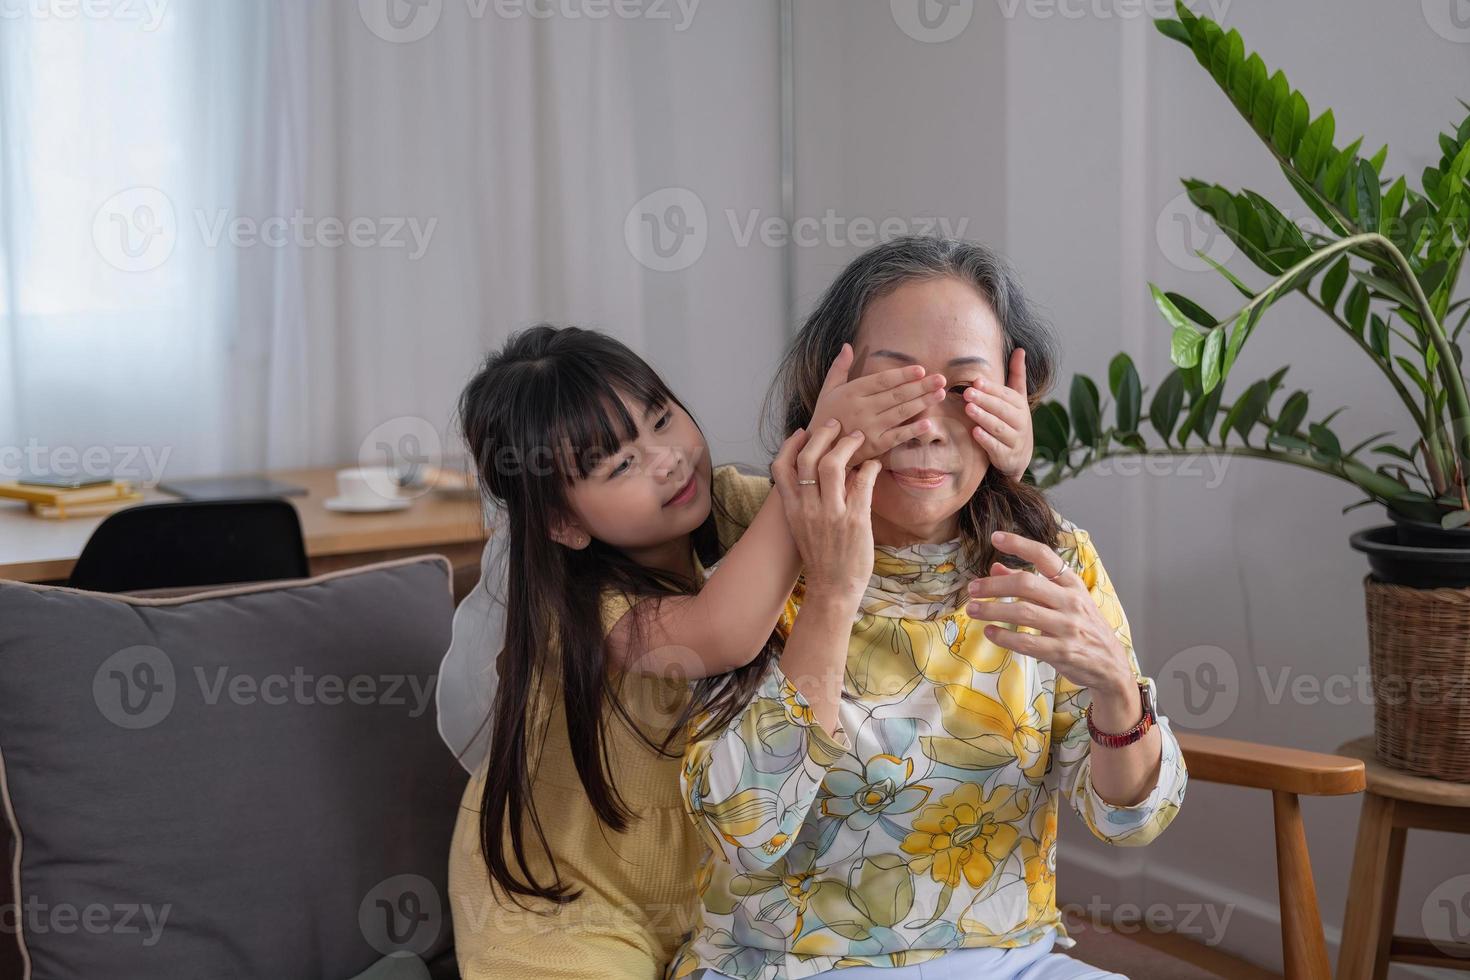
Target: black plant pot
{"x": 1416, "y": 554}
{"x": 1424, "y": 534}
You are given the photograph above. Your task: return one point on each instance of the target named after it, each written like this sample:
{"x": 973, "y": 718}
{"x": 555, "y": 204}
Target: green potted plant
{"x": 1382, "y": 263}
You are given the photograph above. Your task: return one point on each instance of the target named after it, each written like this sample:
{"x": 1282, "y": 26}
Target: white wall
{"x": 1061, "y": 129}
{"x": 529, "y": 140}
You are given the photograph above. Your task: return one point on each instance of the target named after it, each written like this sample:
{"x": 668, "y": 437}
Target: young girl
{"x": 572, "y": 855}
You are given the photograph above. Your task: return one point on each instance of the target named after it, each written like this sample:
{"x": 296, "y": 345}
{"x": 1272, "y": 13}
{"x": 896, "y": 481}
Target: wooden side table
{"x": 1394, "y": 802}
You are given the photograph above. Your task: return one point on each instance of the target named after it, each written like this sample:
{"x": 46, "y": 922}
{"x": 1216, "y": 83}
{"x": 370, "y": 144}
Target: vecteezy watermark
{"x": 1450, "y": 19}
{"x": 299, "y": 687}
{"x": 668, "y": 230}
{"x": 397, "y": 455}
{"x": 1200, "y": 687}
{"x": 1184, "y": 231}
{"x": 148, "y": 13}
{"x": 1103, "y": 9}
{"x": 1446, "y": 916}
{"x": 135, "y": 687}
{"x": 39, "y": 918}
{"x": 937, "y": 21}
{"x": 1210, "y": 466}
{"x": 137, "y": 230}
{"x": 138, "y": 687}
{"x": 932, "y": 21}
{"x": 401, "y": 914}
{"x": 1202, "y": 921}
{"x": 406, "y": 21}
{"x": 84, "y": 462}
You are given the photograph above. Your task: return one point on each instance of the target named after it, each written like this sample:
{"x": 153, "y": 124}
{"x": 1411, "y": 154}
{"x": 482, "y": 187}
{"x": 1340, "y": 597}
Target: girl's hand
{"x": 830, "y": 519}
{"x": 878, "y": 405}
{"x": 1001, "y": 419}
{"x": 1072, "y": 634}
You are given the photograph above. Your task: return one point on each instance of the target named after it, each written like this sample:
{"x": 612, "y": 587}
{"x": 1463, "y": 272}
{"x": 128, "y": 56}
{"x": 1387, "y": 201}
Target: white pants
{"x": 1033, "y": 962}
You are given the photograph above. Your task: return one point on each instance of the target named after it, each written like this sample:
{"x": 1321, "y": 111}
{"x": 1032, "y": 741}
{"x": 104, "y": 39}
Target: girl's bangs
{"x": 591, "y": 422}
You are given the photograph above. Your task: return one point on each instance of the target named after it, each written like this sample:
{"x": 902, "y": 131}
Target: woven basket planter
{"x": 1419, "y": 657}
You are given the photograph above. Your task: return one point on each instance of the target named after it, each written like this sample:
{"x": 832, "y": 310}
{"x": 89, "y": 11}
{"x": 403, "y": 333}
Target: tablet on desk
{"x": 224, "y": 487}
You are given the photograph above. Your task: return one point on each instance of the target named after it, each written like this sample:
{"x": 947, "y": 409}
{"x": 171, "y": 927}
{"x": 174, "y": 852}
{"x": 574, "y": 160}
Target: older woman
{"x": 885, "y": 794}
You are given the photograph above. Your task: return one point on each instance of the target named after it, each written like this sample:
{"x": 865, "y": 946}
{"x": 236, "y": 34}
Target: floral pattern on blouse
{"x": 928, "y": 821}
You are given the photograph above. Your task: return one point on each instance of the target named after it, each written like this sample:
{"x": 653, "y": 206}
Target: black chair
{"x": 193, "y": 542}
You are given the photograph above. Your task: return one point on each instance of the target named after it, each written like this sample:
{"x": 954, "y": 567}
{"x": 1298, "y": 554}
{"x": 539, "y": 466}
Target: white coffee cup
{"x": 366, "y": 486}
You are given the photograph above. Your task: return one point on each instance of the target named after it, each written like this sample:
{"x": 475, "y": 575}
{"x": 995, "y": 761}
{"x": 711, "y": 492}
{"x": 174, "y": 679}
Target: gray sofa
{"x": 236, "y": 782}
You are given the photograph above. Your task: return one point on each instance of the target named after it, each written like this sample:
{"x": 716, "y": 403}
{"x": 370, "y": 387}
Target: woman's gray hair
{"x": 876, "y": 273}
{"x": 1000, "y": 503}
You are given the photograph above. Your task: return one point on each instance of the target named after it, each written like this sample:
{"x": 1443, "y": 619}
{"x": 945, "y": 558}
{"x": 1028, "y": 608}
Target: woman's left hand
{"x": 1000, "y": 419}
{"x": 1072, "y": 634}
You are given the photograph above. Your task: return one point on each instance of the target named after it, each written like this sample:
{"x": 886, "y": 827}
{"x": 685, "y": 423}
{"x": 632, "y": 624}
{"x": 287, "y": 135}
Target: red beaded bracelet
{"x": 1131, "y": 735}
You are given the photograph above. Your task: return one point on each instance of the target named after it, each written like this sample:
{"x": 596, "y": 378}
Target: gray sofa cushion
{"x": 241, "y": 782}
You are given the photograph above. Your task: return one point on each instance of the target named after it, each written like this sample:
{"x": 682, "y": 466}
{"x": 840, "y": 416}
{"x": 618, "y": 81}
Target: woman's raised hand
{"x": 1071, "y": 633}
{"x": 878, "y": 405}
{"x": 828, "y": 506}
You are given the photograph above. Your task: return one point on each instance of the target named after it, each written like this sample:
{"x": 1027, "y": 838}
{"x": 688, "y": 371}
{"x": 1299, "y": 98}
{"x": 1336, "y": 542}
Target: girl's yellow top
{"x": 638, "y": 887}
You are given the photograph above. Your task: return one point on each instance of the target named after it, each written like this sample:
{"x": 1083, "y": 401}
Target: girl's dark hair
{"x": 999, "y": 503}
{"x": 541, "y": 413}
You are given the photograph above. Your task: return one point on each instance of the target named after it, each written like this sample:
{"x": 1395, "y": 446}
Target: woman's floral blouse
{"x": 928, "y": 821}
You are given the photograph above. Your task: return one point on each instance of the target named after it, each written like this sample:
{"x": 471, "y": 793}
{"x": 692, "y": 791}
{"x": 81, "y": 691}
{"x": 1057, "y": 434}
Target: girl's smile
{"x": 689, "y": 491}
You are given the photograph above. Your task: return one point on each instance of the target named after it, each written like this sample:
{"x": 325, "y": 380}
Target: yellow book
{"x": 65, "y": 509}
{"x": 36, "y": 494}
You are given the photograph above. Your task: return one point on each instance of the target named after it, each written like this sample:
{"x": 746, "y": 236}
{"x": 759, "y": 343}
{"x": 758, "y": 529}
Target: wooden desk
{"x": 34, "y": 549}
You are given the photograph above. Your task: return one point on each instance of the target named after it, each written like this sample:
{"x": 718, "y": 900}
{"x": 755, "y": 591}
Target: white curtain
{"x": 115, "y": 315}
{"x": 273, "y": 233}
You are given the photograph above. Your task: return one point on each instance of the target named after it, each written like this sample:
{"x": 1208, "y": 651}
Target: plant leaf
{"x": 1389, "y": 290}
{"x": 1378, "y": 339}
{"x": 1381, "y": 486}
{"x": 1379, "y": 159}
{"x": 1086, "y": 411}
{"x": 1356, "y": 309}
{"x": 1051, "y": 432}
{"x": 1333, "y": 282}
{"x": 1313, "y": 198}
{"x": 1172, "y": 28}
{"x": 1230, "y": 277}
{"x": 1413, "y": 372}
{"x": 1166, "y": 306}
{"x": 1211, "y": 359}
{"x": 1365, "y": 209}
{"x": 1337, "y": 169}
{"x": 1193, "y": 310}
{"x": 1246, "y": 411}
{"x": 1290, "y": 123}
{"x": 1184, "y": 346}
{"x": 1312, "y": 153}
{"x": 1239, "y": 332}
{"x": 1322, "y": 439}
{"x": 1163, "y": 411}
{"x": 1292, "y": 413}
{"x": 1127, "y": 391}
{"x": 1201, "y": 417}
